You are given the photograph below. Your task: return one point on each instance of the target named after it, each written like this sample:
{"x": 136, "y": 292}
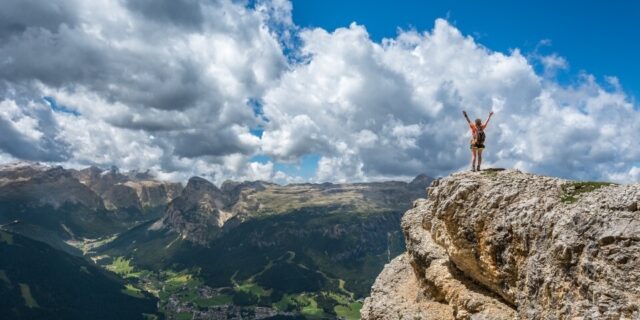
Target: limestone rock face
{"x": 154, "y": 193}
{"x": 121, "y": 197}
{"x": 508, "y": 245}
{"x": 99, "y": 180}
{"x": 33, "y": 186}
{"x": 133, "y": 192}
{"x": 198, "y": 213}
{"x": 203, "y": 211}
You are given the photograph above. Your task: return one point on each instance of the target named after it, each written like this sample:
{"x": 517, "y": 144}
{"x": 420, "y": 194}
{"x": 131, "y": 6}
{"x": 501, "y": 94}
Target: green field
{"x": 29, "y": 301}
{"x": 133, "y": 291}
{"x": 6, "y": 237}
{"x": 297, "y": 271}
{"x": 349, "y": 312}
{"x": 120, "y": 266}
{"x": 186, "y": 286}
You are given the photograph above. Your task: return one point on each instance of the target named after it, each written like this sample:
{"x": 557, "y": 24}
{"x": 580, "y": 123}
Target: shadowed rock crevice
{"x": 507, "y": 245}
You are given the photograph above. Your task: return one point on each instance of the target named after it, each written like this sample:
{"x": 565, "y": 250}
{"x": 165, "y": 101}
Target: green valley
{"x": 307, "y": 263}
{"x": 246, "y": 250}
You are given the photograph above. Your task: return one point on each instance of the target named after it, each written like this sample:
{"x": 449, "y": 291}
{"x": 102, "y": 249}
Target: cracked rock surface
{"x": 511, "y": 245}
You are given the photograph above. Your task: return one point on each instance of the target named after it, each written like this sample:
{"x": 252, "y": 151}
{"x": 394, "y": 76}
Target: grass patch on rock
{"x": 572, "y": 191}
{"x": 491, "y": 172}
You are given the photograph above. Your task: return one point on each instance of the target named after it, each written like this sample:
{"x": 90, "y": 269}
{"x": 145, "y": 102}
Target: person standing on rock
{"x": 477, "y": 140}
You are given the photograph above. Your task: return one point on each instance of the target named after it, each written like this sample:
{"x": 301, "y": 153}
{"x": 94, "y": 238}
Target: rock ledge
{"x": 509, "y": 245}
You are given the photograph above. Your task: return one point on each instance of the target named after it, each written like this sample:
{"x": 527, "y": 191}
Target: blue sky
{"x": 293, "y": 91}
{"x": 600, "y": 37}
{"x": 593, "y": 36}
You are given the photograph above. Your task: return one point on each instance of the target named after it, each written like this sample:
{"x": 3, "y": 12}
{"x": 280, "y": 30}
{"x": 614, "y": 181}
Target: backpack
{"x": 480, "y": 136}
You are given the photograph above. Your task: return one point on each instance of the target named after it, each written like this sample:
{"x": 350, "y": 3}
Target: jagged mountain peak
{"x": 141, "y": 175}
{"x": 199, "y": 189}
{"x": 198, "y": 183}
{"x": 421, "y": 181}
{"x": 54, "y": 172}
{"x": 92, "y": 168}
{"x": 198, "y": 213}
{"x": 421, "y": 177}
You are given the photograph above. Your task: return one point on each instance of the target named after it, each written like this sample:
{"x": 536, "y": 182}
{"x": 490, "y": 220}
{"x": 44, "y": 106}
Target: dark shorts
{"x": 477, "y": 146}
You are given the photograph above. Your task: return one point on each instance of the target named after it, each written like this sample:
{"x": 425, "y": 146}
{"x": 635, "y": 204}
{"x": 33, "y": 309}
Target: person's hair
{"x": 478, "y": 122}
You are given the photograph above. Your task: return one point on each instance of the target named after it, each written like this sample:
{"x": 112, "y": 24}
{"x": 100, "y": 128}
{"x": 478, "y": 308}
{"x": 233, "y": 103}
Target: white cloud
{"x": 394, "y": 109}
{"x": 168, "y": 87}
{"x": 164, "y": 87}
{"x": 552, "y": 63}
{"x": 260, "y": 171}
{"x": 24, "y": 124}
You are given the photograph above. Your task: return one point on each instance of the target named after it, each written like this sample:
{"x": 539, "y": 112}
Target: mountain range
{"x": 57, "y": 205}
{"x": 250, "y": 249}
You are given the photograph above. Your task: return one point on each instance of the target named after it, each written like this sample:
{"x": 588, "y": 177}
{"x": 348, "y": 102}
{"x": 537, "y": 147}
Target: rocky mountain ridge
{"x": 300, "y": 249}
{"x": 199, "y": 212}
{"x": 35, "y": 185}
{"x": 40, "y": 186}
{"x": 202, "y": 210}
{"x": 57, "y": 205}
{"x": 133, "y": 192}
{"x": 508, "y": 245}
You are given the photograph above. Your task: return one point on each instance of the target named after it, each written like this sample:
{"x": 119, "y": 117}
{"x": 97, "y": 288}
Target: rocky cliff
{"x": 129, "y": 195}
{"x": 198, "y": 213}
{"x": 34, "y": 186}
{"x": 509, "y": 245}
{"x": 133, "y": 192}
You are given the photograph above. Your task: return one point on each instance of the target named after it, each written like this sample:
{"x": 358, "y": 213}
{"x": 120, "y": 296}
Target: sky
{"x": 320, "y": 90}
{"x": 597, "y": 37}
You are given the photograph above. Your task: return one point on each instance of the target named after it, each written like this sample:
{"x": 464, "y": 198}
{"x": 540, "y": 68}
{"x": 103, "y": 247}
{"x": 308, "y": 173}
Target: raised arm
{"x": 466, "y": 116}
{"x": 487, "y": 122}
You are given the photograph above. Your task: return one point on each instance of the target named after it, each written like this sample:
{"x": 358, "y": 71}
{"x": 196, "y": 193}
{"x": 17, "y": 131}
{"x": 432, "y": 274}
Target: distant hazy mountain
{"x": 40, "y": 282}
{"x": 202, "y": 209}
{"x": 138, "y": 194}
{"x": 54, "y": 204}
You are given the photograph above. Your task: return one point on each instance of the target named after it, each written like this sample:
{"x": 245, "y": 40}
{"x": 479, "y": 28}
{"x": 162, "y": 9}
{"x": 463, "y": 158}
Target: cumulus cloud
{"x": 178, "y": 87}
{"x": 393, "y": 109}
{"x": 390, "y": 109}
{"x": 30, "y": 132}
{"x": 155, "y": 83}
